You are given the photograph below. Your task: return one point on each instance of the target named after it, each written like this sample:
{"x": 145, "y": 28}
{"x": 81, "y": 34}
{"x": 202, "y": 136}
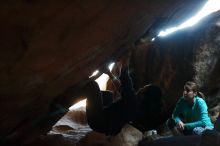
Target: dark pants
{"x": 95, "y": 104}
{"x": 171, "y": 125}
{"x": 195, "y": 131}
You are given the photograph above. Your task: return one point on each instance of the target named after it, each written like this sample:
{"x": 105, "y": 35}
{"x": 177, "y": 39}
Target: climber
{"x": 110, "y": 118}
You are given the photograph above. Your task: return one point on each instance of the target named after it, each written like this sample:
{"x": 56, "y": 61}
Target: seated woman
{"x": 110, "y": 118}
{"x": 190, "y": 115}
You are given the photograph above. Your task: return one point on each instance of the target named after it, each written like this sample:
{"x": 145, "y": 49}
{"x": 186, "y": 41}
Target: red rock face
{"x": 191, "y": 54}
{"x": 49, "y": 46}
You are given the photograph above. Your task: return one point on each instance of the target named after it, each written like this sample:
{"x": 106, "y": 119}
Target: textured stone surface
{"x": 210, "y": 137}
{"x": 190, "y": 54}
{"x": 49, "y": 46}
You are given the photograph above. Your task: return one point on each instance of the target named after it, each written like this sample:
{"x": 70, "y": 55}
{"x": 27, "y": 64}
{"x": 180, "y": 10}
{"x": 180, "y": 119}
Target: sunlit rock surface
{"x": 73, "y": 129}
{"x": 73, "y": 125}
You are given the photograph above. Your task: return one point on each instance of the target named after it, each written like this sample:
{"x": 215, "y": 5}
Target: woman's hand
{"x": 115, "y": 80}
{"x": 180, "y": 126}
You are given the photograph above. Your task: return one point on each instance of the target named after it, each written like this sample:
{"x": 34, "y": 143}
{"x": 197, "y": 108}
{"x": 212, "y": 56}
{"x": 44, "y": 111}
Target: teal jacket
{"x": 192, "y": 116}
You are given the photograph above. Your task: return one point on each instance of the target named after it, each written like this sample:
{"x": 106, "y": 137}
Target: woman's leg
{"x": 172, "y": 127}
{"x": 96, "y": 116}
{"x": 200, "y": 130}
{"x": 107, "y": 97}
{"x": 94, "y": 105}
{"x": 187, "y": 132}
{"x": 170, "y": 123}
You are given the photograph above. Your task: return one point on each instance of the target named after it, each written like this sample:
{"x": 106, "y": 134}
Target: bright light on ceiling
{"x": 210, "y": 7}
{"x": 94, "y": 73}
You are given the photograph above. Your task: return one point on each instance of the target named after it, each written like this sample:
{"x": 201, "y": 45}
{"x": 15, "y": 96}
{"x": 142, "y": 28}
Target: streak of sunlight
{"x": 210, "y": 7}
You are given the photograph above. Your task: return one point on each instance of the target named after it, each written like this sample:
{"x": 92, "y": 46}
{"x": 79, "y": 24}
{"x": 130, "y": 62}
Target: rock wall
{"x": 190, "y": 54}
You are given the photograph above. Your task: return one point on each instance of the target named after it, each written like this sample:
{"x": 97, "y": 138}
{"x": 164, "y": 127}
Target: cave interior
{"x": 50, "y": 48}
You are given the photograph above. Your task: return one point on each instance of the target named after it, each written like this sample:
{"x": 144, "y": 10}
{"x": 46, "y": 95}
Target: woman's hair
{"x": 193, "y": 86}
